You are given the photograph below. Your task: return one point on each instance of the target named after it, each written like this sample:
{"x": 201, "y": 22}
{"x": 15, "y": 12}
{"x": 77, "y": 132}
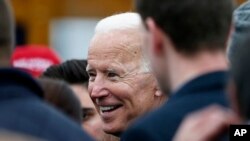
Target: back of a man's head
{"x": 6, "y": 33}
{"x": 192, "y": 25}
{"x": 59, "y": 94}
{"x": 71, "y": 71}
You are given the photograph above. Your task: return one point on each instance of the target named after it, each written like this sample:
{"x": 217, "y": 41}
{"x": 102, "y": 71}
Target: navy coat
{"x": 161, "y": 125}
{"x": 22, "y": 110}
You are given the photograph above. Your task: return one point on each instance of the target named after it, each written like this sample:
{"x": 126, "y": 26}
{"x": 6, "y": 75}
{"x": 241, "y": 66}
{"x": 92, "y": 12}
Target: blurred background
{"x": 64, "y": 25}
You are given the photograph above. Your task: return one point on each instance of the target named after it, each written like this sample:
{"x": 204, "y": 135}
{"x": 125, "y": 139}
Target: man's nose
{"x": 99, "y": 89}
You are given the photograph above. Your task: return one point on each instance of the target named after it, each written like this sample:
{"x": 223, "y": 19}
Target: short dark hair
{"x": 192, "y": 25}
{"x": 6, "y": 28}
{"x": 71, "y": 71}
{"x": 61, "y": 96}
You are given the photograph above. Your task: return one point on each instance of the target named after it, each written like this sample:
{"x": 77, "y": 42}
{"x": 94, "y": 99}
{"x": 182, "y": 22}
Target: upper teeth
{"x": 106, "y": 108}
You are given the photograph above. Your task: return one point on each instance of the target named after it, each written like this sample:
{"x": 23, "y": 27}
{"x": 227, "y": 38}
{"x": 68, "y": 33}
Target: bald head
{"x": 7, "y": 33}
{"x": 121, "y": 21}
{"x": 127, "y": 27}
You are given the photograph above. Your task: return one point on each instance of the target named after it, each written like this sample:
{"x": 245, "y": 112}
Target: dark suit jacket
{"x": 162, "y": 124}
{"x": 23, "y": 111}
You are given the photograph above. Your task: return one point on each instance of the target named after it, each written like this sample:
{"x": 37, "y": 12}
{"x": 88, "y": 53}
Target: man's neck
{"x": 182, "y": 68}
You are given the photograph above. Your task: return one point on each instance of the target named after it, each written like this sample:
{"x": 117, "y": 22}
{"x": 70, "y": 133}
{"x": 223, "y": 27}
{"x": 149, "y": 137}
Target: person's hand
{"x": 205, "y": 125}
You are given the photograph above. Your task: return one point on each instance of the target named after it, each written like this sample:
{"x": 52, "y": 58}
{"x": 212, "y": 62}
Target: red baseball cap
{"x": 34, "y": 59}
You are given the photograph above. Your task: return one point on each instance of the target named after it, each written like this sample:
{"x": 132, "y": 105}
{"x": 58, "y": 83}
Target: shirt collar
{"x": 210, "y": 81}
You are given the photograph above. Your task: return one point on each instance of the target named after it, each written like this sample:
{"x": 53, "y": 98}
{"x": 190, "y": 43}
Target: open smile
{"x": 109, "y": 112}
{"x": 104, "y": 109}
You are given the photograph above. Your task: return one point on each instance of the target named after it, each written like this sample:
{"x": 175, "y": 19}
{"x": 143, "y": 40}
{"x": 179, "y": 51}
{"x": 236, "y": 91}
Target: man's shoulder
{"x": 11, "y": 78}
{"x": 22, "y": 110}
{"x": 162, "y": 123}
{"x": 152, "y": 126}
{"x": 197, "y": 94}
{"x": 34, "y": 117}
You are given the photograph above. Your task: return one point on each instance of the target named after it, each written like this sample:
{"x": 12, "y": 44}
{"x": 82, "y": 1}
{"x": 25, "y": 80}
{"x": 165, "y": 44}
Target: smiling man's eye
{"x": 91, "y": 76}
{"x": 111, "y": 74}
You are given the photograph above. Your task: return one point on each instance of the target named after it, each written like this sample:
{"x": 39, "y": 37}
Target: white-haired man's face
{"x": 120, "y": 90}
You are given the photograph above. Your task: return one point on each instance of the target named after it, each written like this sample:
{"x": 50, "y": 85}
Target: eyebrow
{"x": 108, "y": 68}
{"x": 87, "y": 109}
{"x": 111, "y": 70}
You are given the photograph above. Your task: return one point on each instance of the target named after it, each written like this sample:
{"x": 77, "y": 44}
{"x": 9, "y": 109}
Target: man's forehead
{"x": 115, "y": 46}
{"x": 128, "y": 39}
{"x": 117, "y": 52}
{"x": 113, "y": 60}
{"x": 105, "y": 65}
{"x": 113, "y": 65}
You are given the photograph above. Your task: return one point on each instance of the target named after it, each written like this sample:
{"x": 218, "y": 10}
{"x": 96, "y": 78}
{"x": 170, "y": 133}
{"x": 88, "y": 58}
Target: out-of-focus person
{"x": 59, "y": 94}
{"x": 238, "y": 50}
{"x": 13, "y": 136}
{"x": 121, "y": 84}
{"x": 186, "y": 42}
{"x": 240, "y": 65}
{"x": 21, "y": 106}
{"x": 34, "y": 59}
{"x": 7, "y": 34}
{"x": 74, "y": 73}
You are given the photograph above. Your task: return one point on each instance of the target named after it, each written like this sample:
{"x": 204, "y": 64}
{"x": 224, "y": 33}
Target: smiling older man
{"x": 121, "y": 85}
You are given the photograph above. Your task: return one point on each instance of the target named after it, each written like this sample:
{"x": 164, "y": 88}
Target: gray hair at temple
{"x": 241, "y": 25}
{"x": 125, "y": 21}
{"x": 7, "y": 33}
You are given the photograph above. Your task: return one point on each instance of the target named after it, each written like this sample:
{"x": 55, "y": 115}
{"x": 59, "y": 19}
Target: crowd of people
{"x": 174, "y": 70}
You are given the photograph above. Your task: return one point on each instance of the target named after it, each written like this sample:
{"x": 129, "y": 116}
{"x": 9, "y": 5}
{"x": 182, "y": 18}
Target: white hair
{"x": 129, "y": 20}
{"x": 119, "y": 22}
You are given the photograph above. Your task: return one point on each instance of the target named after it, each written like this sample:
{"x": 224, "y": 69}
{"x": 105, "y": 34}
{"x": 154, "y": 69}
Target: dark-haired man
{"x": 186, "y": 42}
{"x": 215, "y": 119}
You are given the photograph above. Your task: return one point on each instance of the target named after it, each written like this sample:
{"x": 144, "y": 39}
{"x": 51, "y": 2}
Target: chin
{"x": 113, "y": 131}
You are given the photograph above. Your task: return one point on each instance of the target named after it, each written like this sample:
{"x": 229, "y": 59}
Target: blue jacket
{"x": 161, "y": 125}
{"x": 23, "y": 111}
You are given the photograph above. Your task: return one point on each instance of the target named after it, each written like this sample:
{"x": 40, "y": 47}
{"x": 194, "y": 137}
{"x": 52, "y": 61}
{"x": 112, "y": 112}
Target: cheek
{"x": 144, "y": 90}
{"x": 120, "y": 91}
{"x": 132, "y": 87}
{"x": 128, "y": 93}
{"x": 95, "y": 121}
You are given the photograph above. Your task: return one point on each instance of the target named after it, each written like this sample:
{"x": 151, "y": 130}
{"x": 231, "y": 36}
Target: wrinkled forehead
{"x": 120, "y": 45}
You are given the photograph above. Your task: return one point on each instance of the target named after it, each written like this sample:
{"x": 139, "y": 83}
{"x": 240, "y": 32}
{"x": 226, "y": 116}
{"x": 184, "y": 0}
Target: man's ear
{"x": 232, "y": 91}
{"x": 160, "y": 95}
{"x": 158, "y": 92}
{"x": 156, "y": 36}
